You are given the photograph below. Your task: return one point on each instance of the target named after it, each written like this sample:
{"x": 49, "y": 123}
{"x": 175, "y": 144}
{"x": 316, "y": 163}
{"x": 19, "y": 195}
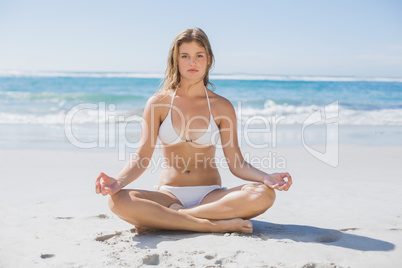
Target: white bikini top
{"x": 168, "y": 135}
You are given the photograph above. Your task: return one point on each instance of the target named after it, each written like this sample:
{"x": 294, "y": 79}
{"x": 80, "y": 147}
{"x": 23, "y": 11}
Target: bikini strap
{"x": 209, "y": 106}
{"x": 171, "y": 103}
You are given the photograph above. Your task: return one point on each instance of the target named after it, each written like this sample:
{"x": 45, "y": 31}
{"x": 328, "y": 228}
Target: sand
{"x": 347, "y": 216}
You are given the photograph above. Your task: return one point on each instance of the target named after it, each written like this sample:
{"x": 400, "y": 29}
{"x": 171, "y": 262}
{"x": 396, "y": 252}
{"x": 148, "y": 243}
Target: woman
{"x": 189, "y": 119}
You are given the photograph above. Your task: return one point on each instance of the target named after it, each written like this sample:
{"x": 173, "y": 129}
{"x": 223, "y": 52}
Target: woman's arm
{"x": 237, "y": 165}
{"x": 138, "y": 164}
{"x": 149, "y": 135}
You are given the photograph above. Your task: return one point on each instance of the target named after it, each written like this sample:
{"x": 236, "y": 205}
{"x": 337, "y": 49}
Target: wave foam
{"x": 272, "y": 112}
{"x": 291, "y": 114}
{"x": 306, "y": 78}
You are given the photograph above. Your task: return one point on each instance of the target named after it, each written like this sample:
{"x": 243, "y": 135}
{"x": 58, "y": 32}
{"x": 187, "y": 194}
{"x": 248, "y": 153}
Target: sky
{"x": 282, "y": 37}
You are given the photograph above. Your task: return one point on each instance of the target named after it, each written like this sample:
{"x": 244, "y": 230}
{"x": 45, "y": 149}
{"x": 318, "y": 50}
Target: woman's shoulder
{"x": 219, "y": 102}
{"x": 161, "y": 97}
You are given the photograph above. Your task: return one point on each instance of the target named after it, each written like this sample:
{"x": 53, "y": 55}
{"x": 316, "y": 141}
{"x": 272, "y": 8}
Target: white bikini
{"x": 189, "y": 196}
{"x": 168, "y": 135}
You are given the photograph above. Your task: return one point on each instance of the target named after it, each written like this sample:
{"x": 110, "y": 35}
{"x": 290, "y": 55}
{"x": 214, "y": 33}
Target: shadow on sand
{"x": 310, "y": 234}
{"x": 272, "y": 231}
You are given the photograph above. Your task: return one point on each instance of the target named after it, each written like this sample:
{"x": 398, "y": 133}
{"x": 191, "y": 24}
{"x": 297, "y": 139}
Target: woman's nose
{"x": 192, "y": 61}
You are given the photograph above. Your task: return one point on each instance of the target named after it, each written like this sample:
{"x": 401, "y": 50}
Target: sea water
{"x": 92, "y": 110}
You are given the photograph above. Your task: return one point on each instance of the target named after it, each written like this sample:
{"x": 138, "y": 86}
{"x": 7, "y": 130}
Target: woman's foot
{"x": 233, "y": 225}
{"x": 176, "y": 206}
{"x": 219, "y": 226}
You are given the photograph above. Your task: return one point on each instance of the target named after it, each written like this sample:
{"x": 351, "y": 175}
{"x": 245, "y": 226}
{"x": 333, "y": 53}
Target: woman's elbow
{"x": 234, "y": 170}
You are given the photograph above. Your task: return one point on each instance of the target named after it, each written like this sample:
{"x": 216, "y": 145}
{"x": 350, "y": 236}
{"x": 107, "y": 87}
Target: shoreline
{"x": 214, "y": 76}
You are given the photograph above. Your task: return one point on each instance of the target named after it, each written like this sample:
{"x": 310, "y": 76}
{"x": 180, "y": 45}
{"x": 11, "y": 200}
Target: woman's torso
{"x": 189, "y": 163}
{"x": 186, "y": 166}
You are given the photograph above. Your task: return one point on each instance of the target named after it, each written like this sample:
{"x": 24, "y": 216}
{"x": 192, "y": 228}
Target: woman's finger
{"x": 97, "y": 188}
{"x": 276, "y": 186}
{"x": 289, "y": 178}
{"x": 104, "y": 191}
{"x": 99, "y": 178}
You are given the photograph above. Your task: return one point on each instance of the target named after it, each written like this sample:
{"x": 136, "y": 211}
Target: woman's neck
{"x": 192, "y": 88}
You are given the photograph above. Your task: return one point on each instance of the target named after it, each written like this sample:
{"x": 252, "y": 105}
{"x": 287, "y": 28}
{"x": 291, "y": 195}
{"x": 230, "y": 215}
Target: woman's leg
{"x": 149, "y": 209}
{"x": 246, "y": 201}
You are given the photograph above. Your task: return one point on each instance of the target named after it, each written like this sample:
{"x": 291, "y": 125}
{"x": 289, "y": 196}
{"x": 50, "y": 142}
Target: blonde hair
{"x": 172, "y": 75}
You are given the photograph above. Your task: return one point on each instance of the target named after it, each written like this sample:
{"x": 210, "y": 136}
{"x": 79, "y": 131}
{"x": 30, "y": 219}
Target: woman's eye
{"x": 183, "y": 57}
{"x": 200, "y": 56}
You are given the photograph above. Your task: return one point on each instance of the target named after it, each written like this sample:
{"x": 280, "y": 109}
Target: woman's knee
{"x": 118, "y": 202}
{"x": 261, "y": 196}
{"x": 115, "y": 201}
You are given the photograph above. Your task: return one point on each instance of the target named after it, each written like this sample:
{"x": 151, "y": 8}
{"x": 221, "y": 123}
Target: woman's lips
{"x": 192, "y": 70}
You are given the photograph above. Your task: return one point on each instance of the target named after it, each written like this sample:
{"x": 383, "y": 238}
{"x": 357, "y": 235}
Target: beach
{"x": 348, "y": 216}
{"x": 339, "y": 138}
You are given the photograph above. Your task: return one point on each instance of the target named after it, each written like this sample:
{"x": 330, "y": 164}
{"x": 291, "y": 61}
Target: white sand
{"x": 349, "y": 216}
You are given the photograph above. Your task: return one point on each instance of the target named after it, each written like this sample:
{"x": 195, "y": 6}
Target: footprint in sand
{"x": 349, "y": 229}
{"x": 151, "y": 259}
{"x": 100, "y": 216}
{"x": 209, "y": 257}
{"x": 321, "y": 265}
{"x": 329, "y": 237}
{"x": 47, "y": 256}
{"x": 103, "y": 238}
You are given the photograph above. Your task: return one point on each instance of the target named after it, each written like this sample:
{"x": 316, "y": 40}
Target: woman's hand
{"x": 106, "y": 185}
{"x": 277, "y": 181}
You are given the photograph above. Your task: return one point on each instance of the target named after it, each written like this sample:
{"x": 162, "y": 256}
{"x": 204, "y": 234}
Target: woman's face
{"x": 192, "y": 61}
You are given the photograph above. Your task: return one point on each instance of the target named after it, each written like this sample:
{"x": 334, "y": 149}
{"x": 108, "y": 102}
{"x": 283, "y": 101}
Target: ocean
{"x": 44, "y": 109}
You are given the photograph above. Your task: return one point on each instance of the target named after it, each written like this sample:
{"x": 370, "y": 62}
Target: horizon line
{"x": 216, "y": 76}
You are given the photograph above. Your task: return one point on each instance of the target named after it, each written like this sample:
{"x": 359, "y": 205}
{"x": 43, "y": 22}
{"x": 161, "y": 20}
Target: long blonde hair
{"x": 172, "y": 75}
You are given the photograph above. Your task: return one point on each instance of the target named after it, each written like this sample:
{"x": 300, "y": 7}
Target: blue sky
{"x": 335, "y": 38}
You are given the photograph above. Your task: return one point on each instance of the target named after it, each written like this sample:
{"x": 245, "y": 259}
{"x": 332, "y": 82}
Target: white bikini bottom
{"x": 190, "y": 196}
